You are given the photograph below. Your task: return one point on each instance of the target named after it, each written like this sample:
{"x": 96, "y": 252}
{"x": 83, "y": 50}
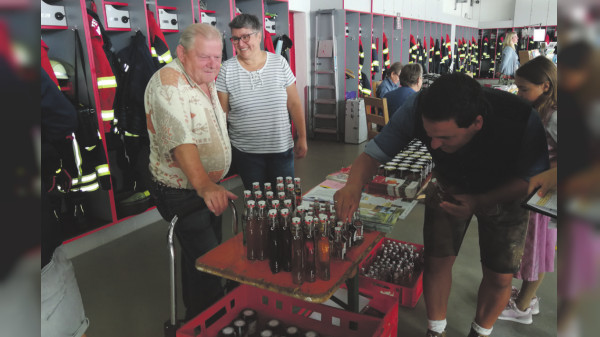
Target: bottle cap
{"x": 251, "y": 203}
{"x": 272, "y": 213}
{"x": 262, "y": 203}
{"x": 285, "y": 211}
{"x": 295, "y": 220}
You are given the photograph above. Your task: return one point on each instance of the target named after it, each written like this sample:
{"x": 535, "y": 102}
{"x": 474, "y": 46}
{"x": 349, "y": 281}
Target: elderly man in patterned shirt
{"x": 189, "y": 154}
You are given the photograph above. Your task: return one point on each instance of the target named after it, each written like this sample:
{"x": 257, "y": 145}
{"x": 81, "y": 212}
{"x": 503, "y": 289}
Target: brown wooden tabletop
{"x": 228, "y": 260}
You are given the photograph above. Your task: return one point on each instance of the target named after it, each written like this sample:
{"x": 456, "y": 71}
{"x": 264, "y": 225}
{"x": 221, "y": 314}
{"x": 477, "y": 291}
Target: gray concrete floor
{"x": 125, "y": 282}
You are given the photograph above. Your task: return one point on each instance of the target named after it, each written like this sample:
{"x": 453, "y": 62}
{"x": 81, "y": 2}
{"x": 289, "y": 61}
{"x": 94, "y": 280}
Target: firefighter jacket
{"x": 374, "y": 59}
{"x": 474, "y": 53}
{"x": 431, "y": 51}
{"x": 158, "y": 44}
{"x": 437, "y": 57}
{"x": 423, "y": 56}
{"x": 386, "y": 53}
{"x": 498, "y": 61}
{"x": 268, "y": 37}
{"x": 46, "y": 63}
{"x": 106, "y": 80}
{"x": 444, "y": 60}
{"x": 364, "y": 86}
{"x": 361, "y": 57}
{"x": 413, "y": 50}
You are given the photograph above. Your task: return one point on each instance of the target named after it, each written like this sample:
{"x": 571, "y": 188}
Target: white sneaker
{"x": 512, "y": 313}
{"x": 535, "y": 305}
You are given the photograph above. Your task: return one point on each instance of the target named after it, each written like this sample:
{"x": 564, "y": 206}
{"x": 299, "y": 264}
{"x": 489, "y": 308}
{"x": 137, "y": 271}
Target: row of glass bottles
{"x": 395, "y": 262}
{"x": 296, "y": 239}
{"x": 247, "y": 324}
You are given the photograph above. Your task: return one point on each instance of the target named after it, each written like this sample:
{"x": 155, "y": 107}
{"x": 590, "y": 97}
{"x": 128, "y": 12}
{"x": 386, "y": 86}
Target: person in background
{"x": 391, "y": 81}
{"x": 537, "y": 83}
{"x": 485, "y": 145}
{"x": 60, "y": 299}
{"x": 258, "y": 93}
{"x": 510, "y": 59}
{"x": 189, "y": 154}
{"x": 411, "y": 80}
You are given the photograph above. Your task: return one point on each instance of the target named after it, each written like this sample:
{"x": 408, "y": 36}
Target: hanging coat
{"x": 374, "y": 59}
{"x": 268, "y": 41}
{"x": 413, "y": 51}
{"x": 46, "y": 63}
{"x": 361, "y": 56}
{"x": 158, "y": 44}
{"x": 431, "y": 51}
{"x": 425, "y": 53}
{"x": 443, "y": 68}
{"x": 386, "y": 53}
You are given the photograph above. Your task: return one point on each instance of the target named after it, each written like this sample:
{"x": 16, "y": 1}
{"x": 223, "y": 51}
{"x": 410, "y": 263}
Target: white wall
{"x": 496, "y": 10}
{"x": 535, "y": 12}
{"x": 325, "y": 4}
{"x": 358, "y": 5}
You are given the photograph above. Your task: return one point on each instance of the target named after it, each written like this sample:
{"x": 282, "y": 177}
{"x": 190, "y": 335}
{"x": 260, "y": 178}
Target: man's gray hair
{"x": 205, "y": 30}
{"x": 246, "y": 21}
{"x": 410, "y": 74}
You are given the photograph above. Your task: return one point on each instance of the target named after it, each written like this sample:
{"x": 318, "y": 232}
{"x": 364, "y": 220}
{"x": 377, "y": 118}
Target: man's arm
{"x": 215, "y": 196}
{"x": 224, "y": 100}
{"x": 346, "y": 199}
{"x": 295, "y": 108}
{"x": 469, "y": 203}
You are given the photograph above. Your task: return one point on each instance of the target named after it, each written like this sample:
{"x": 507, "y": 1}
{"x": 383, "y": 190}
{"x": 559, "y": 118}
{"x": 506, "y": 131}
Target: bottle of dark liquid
{"x": 281, "y": 197}
{"x": 275, "y": 204}
{"x": 255, "y": 186}
{"x": 292, "y": 331}
{"x": 258, "y": 195}
{"x": 298, "y": 191}
{"x": 274, "y": 242}
{"x": 268, "y": 187}
{"x": 339, "y": 244}
{"x": 263, "y": 231}
{"x": 346, "y": 234}
{"x": 289, "y": 194}
{"x": 359, "y": 234}
{"x": 280, "y": 188}
{"x": 309, "y": 251}
{"x": 270, "y": 197}
{"x": 247, "y": 196}
{"x": 323, "y": 251}
{"x": 351, "y": 232}
{"x": 289, "y": 180}
{"x": 251, "y": 319}
{"x": 275, "y": 326}
{"x": 252, "y": 232}
{"x": 227, "y": 331}
{"x": 286, "y": 240}
{"x": 240, "y": 327}
{"x": 279, "y": 180}
{"x": 297, "y": 252}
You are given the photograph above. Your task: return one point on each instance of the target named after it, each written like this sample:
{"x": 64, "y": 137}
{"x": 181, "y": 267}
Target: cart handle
{"x": 171, "y": 246}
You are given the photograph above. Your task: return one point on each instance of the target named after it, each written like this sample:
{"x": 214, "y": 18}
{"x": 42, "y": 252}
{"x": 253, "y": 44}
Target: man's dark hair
{"x": 246, "y": 21}
{"x": 410, "y": 74}
{"x": 454, "y": 96}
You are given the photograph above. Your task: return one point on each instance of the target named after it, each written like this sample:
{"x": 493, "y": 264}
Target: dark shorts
{"x": 502, "y": 232}
{"x": 265, "y": 167}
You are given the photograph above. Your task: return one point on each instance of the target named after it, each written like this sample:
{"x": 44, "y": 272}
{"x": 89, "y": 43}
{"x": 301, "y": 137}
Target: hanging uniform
{"x": 424, "y": 53}
{"x": 268, "y": 41}
{"x": 443, "y": 68}
{"x": 46, "y": 63}
{"x": 386, "y": 53}
{"x": 421, "y": 55}
{"x": 374, "y": 59}
{"x": 158, "y": 44}
{"x": 431, "y": 51}
{"x": 499, "y": 55}
{"x": 362, "y": 89}
{"x": 412, "y": 51}
{"x": 475, "y": 55}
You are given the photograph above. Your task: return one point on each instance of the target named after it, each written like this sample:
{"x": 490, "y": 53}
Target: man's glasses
{"x": 244, "y": 38}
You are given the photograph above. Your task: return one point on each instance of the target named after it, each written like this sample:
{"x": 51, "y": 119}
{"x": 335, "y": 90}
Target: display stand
{"x": 229, "y": 260}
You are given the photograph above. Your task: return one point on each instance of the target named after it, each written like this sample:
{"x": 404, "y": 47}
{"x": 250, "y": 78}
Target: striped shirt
{"x": 259, "y": 121}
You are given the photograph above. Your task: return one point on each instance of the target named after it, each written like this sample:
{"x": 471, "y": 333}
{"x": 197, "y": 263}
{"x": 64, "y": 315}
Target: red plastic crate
{"x": 290, "y": 311}
{"x": 406, "y": 296}
{"x": 384, "y": 304}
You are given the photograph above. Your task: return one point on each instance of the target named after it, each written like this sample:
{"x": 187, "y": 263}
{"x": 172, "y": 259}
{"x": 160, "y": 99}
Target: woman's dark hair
{"x": 246, "y": 21}
{"x": 538, "y": 71}
{"x": 453, "y": 96}
{"x": 395, "y": 68}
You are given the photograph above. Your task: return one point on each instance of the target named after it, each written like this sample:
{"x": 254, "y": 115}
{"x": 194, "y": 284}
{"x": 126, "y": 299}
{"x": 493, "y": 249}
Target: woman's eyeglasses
{"x": 244, "y": 38}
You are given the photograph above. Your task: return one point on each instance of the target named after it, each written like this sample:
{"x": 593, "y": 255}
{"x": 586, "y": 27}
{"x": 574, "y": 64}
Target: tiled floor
{"x": 125, "y": 282}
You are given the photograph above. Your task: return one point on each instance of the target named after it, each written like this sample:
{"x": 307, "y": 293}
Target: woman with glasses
{"x": 257, "y": 91}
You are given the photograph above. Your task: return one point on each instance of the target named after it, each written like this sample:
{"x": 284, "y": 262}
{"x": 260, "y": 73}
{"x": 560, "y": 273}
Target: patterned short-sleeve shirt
{"x": 179, "y": 112}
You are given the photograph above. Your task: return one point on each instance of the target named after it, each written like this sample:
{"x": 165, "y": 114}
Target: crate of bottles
{"x": 228, "y": 317}
{"x": 394, "y": 268}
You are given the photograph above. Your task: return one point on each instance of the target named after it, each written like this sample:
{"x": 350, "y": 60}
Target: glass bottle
{"x": 323, "y": 251}
{"x": 270, "y": 196}
{"x": 251, "y": 319}
{"x": 286, "y": 240}
{"x": 281, "y": 197}
{"x": 255, "y": 186}
{"x": 227, "y": 331}
{"x": 279, "y": 180}
{"x": 263, "y": 231}
{"x": 274, "y": 243}
{"x": 287, "y": 203}
{"x": 275, "y": 326}
{"x": 359, "y": 234}
{"x": 247, "y": 197}
{"x": 346, "y": 234}
{"x": 339, "y": 244}
{"x": 351, "y": 232}
{"x": 268, "y": 187}
{"x": 289, "y": 193}
{"x": 275, "y": 204}
{"x": 252, "y": 232}
{"x": 289, "y": 180}
{"x": 280, "y": 187}
{"x": 240, "y": 327}
{"x": 292, "y": 331}
{"x": 309, "y": 252}
{"x": 298, "y": 191}
{"x": 297, "y": 252}
{"x": 258, "y": 196}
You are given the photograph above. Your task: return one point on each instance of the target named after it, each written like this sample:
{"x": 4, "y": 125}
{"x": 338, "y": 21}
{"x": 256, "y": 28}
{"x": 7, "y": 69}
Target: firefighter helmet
{"x": 59, "y": 70}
